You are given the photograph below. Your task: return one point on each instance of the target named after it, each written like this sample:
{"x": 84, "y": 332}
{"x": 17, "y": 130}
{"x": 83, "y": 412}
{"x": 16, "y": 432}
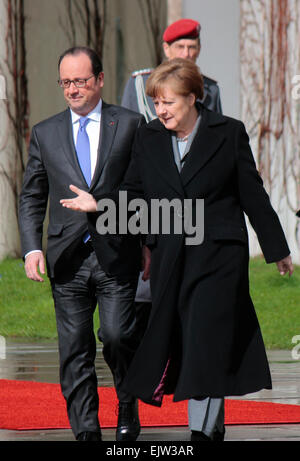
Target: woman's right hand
{"x": 285, "y": 265}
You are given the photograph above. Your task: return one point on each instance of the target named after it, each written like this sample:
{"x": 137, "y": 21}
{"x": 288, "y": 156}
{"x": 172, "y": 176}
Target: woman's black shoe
{"x": 198, "y": 436}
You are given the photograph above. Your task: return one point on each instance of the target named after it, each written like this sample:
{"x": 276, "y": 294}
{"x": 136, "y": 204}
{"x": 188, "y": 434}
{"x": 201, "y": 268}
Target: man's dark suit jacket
{"x": 52, "y": 167}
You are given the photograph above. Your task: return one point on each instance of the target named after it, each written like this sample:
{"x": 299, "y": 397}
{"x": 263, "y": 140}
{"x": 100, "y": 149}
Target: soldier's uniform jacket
{"x": 135, "y": 98}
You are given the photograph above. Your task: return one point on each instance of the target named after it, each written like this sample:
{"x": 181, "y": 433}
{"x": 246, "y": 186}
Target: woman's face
{"x": 174, "y": 110}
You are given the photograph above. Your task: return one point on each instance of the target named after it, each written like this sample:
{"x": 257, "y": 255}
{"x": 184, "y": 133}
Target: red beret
{"x": 184, "y": 28}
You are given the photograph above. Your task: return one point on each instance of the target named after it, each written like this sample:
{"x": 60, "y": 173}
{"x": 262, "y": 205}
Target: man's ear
{"x": 166, "y": 48}
{"x": 101, "y": 79}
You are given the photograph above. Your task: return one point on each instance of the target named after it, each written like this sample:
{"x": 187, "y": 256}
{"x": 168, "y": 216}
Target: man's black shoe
{"x": 128, "y": 428}
{"x": 89, "y": 437}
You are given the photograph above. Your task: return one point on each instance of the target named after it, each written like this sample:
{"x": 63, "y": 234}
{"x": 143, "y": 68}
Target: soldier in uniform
{"x": 180, "y": 40}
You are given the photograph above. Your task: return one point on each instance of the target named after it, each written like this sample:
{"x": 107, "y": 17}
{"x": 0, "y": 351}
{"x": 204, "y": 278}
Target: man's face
{"x": 186, "y": 48}
{"x": 81, "y": 100}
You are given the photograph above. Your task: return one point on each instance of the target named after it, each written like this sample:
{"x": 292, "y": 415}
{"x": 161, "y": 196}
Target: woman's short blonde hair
{"x": 182, "y": 75}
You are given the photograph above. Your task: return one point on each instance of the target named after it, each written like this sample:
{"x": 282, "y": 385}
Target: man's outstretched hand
{"x": 84, "y": 201}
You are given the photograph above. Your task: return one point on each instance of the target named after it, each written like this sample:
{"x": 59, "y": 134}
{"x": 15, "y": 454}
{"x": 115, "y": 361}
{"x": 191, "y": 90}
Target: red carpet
{"x": 28, "y": 405}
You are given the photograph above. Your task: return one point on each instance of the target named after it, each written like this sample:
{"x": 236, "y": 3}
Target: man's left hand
{"x": 84, "y": 201}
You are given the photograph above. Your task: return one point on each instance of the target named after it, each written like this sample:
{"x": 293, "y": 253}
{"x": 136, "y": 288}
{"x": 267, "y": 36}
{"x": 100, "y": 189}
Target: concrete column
{"x": 220, "y": 44}
{"x": 174, "y": 10}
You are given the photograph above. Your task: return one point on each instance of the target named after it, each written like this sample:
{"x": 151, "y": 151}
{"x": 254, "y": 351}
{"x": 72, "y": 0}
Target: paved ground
{"x": 39, "y": 362}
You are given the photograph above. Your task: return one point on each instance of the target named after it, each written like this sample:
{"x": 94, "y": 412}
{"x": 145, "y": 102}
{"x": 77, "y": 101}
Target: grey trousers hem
{"x": 206, "y": 415}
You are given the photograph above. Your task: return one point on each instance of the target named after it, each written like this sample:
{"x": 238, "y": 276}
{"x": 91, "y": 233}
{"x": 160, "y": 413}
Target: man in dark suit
{"x": 88, "y": 145}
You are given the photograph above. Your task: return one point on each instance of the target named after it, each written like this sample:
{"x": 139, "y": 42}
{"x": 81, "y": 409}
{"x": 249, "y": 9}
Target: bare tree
{"x": 15, "y": 117}
{"x": 152, "y": 14}
{"x": 89, "y": 17}
{"x": 17, "y": 105}
{"x": 270, "y": 57}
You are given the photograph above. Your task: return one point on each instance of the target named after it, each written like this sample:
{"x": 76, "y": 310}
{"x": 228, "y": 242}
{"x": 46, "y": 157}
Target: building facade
{"x": 251, "y": 47}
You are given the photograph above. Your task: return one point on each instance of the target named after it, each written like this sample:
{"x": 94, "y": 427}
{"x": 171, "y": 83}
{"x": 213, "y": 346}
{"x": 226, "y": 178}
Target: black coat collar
{"x": 208, "y": 117}
{"x": 207, "y": 141}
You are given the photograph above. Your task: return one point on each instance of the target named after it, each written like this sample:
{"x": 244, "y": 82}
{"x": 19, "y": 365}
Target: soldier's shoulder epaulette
{"x": 209, "y": 80}
{"x": 141, "y": 72}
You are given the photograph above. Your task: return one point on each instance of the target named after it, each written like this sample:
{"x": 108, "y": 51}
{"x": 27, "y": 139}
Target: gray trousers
{"x": 206, "y": 415}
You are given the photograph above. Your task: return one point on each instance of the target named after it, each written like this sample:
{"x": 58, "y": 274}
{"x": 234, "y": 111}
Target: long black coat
{"x": 203, "y": 336}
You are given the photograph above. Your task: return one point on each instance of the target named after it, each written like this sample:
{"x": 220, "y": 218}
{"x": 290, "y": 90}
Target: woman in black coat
{"x": 203, "y": 339}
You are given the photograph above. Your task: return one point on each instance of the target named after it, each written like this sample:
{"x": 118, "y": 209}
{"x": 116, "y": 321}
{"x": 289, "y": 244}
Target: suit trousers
{"x": 75, "y": 297}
